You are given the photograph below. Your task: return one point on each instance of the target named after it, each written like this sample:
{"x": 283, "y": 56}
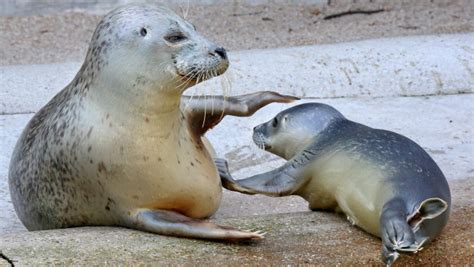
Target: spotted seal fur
{"x": 119, "y": 146}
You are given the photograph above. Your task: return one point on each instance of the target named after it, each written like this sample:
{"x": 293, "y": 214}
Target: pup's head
{"x": 291, "y": 130}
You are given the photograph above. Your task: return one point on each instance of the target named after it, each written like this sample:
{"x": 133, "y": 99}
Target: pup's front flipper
{"x": 205, "y": 112}
{"x": 279, "y": 182}
{"x": 226, "y": 178}
{"x": 174, "y": 224}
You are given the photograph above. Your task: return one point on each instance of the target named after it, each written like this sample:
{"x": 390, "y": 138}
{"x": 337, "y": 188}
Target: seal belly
{"x": 352, "y": 185}
{"x": 177, "y": 175}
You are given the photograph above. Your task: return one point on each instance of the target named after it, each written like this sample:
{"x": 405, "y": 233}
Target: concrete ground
{"x": 439, "y": 118}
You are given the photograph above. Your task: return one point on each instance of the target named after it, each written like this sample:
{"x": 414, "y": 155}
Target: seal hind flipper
{"x": 206, "y": 112}
{"x": 398, "y": 235}
{"x": 174, "y": 224}
{"x": 402, "y": 233}
{"x": 280, "y": 182}
{"x": 428, "y": 209}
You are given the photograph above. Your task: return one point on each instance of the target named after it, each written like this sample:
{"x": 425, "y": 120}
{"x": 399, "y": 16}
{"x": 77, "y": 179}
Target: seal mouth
{"x": 201, "y": 71}
{"x": 202, "y": 75}
{"x": 259, "y": 140}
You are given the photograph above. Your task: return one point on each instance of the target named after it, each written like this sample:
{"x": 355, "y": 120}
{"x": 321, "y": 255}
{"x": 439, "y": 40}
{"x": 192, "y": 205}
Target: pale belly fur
{"x": 352, "y": 186}
{"x": 149, "y": 169}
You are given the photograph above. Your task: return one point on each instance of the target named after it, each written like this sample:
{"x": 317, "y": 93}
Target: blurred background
{"x": 49, "y": 31}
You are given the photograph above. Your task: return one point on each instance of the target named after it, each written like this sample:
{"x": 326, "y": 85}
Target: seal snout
{"x": 218, "y": 51}
{"x": 221, "y": 52}
{"x": 259, "y": 138}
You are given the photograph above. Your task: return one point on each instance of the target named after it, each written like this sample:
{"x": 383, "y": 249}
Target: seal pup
{"x": 382, "y": 181}
{"x": 118, "y": 146}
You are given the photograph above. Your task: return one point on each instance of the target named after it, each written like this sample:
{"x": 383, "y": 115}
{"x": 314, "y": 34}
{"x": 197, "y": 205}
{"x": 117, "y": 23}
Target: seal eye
{"x": 143, "y": 32}
{"x": 175, "y": 37}
{"x": 275, "y": 122}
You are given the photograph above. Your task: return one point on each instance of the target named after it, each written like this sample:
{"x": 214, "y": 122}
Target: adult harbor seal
{"x": 384, "y": 182}
{"x": 117, "y": 146}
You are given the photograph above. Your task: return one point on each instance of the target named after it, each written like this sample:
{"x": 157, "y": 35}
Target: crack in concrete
{"x": 2, "y": 256}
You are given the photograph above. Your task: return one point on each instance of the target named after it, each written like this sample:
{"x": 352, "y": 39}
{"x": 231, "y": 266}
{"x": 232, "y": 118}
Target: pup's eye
{"x": 175, "y": 37}
{"x": 143, "y": 32}
{"x": 275, "y": 122}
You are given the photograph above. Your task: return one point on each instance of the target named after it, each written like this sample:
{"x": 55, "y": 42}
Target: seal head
{"x": 147, "y": 46}
{"x": 305, "y": 121}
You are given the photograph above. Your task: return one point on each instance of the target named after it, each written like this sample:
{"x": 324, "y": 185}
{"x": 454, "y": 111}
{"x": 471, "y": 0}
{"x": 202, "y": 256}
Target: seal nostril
{"x": 221, "y": 52}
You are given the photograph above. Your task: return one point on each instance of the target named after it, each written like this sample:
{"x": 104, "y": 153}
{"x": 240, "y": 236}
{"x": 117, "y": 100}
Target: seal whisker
{"x": 198, "y": 79}
{"x": 187, "y": 81}
{"x": 213, "y": 94}
{"x": 185, "y": 15}
{"x": 184, "y": 85}
{"x": 196, "y": 75}
{"x": 205, "y": 109}
{"x": 224, "y": 89}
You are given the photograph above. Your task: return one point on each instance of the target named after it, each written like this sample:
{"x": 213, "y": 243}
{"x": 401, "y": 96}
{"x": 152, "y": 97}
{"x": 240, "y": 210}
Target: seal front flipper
{"x": 226, "y": 178}
{"x": 206, "y": 112}
{"x": 174, "y": 224}
{"x": 280, "y": 182}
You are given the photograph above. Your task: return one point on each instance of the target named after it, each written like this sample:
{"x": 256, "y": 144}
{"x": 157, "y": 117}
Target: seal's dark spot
{"x": 109, "y": 203}
{"x": 101, "y": 167}
{"x": 143, "y": 32}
